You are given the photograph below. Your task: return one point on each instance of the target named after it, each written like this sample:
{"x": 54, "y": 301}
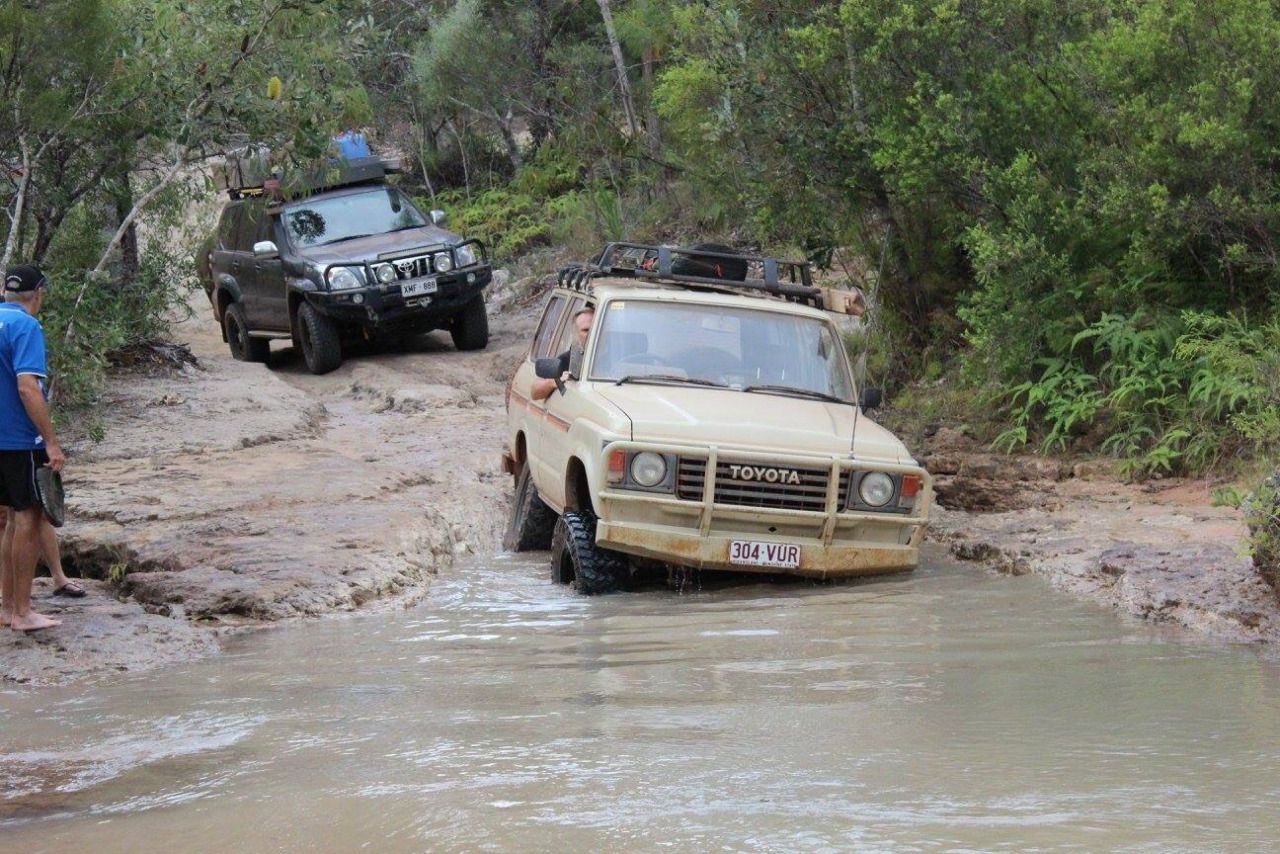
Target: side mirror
{"x": 438, "y": 217}
{"x": 265, "y": 249}
{"x": 548, "y": 368}
{"x": 870, "y": 399}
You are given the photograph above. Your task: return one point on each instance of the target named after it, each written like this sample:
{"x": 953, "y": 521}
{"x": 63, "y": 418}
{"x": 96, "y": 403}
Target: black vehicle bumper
{"x": 384, "y": 309}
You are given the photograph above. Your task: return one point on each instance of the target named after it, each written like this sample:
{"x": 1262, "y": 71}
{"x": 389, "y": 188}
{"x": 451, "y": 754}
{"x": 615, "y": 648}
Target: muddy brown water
{"x": 949, "y": 710}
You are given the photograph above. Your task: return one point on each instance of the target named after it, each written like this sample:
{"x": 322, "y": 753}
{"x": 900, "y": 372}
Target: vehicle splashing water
{"x": 948, "y": 709}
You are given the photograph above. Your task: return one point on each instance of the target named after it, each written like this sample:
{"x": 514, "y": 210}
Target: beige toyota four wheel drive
{"x": 710, "y": 419}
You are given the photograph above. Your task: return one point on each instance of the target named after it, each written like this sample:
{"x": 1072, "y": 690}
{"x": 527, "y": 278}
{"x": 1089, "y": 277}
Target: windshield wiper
{"x": 668, "y": 378}
{"x": 348, "y": 237}
{"x": 801, "y": 392}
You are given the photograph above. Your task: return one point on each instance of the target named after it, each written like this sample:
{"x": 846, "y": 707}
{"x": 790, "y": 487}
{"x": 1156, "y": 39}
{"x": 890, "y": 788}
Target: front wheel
{"x": 318, "y": 336}
{"x": 576, "y": 557}
{"x": 470, "y": 328}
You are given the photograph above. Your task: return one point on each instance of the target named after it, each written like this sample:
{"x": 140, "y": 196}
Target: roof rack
{"x": 789, "y": 280}
{"x": 250, "y": 174}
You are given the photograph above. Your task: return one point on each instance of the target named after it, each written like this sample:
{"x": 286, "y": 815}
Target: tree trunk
{"x": 128, "y": 240}
{"x": 509, "y": 138}
{"x": 462, "y": 150}
{"x": 19, "y": 205}
{"x": 540, "y": 125}
{"x": 620, "y": 65}
{"x": 131, "y": 217}
{"x": 47, "y": 221}
{"x": 650, "y": 114}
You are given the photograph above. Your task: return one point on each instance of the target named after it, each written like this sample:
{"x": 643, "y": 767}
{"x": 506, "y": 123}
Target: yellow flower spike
{"x": 274, "y": 88}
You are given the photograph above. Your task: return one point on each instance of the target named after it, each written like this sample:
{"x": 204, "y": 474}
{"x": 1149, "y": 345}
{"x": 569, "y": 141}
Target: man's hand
{"x": 57, "y": 459}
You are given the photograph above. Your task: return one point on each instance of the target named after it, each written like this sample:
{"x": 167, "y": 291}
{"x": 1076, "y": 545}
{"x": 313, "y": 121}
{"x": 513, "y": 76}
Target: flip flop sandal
{"x": 71, "y": 590}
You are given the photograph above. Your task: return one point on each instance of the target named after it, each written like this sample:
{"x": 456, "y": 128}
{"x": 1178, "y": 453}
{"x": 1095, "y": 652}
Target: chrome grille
{"x": 810, "y": 493}
{"x": 408, "y": 268}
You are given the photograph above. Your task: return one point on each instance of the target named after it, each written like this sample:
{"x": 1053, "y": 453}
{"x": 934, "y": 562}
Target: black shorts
{"x": 18, "y": 478}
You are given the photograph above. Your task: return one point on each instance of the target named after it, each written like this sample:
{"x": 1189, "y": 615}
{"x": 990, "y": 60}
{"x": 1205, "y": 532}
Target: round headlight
{"x": 648, "y": 469}
{"x": 385, "y": 273}
{"x": 443, "y": 262}
{"x": 466, "y": 255}
{"x": 876, "y": 489}
{"x": 343, "y": 279}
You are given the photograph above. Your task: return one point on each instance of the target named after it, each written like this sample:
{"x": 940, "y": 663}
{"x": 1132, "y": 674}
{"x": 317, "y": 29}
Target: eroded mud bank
{"x": 1160, "y": 551}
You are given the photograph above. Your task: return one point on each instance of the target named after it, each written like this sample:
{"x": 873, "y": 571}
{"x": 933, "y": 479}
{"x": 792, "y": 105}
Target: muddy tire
{"x": 532, "y": 521}
{"x": 470, "y": 327}
{"x": 243, "y": 348}
{"x": 576, "y": 557}
{"x": 318, "y": 338}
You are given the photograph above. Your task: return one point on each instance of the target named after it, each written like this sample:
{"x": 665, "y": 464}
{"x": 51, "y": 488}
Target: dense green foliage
{"x": 104, "y": 106}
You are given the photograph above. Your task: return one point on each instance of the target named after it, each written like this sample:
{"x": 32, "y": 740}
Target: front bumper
{"x": 833, "y": 542}
{"x": 384, "y": 308}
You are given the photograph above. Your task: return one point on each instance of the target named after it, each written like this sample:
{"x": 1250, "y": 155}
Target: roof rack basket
{"x": 789, "y": 280}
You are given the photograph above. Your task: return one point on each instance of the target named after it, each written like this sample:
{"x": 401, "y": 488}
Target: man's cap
{"x": 23, "y": 279}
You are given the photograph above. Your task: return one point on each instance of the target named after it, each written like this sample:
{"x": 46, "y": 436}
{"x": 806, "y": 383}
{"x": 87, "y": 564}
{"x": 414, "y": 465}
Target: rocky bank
{"x": 1160, "y": 551}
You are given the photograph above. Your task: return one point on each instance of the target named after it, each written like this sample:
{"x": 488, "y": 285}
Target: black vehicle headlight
{"x": 648, "y": 469}
{"x": 875, "y": 489}
{"x": 344, "y": 278}
{"x": 443, "y": 262}
{"x": 386, "y": 273}
{"x": 465, "y": 255}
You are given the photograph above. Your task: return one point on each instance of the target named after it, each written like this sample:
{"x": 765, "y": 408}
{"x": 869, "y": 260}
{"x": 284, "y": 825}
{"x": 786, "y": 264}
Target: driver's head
{"x": 582, "y": 324}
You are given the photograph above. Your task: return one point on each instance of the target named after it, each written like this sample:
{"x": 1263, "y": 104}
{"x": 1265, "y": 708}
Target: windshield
{"x": 745, "y": 349}
{"x": 315, "y": 222}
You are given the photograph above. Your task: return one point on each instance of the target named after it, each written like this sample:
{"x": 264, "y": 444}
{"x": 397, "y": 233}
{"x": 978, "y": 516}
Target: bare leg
{"x": 23, "y": 551}
{"x": 6, "y": 573}
{"x": 50, "y": 554}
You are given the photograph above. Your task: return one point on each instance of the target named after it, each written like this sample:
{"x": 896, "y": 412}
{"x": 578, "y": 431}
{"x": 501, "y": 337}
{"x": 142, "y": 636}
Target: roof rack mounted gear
{"x": 790, "y": 280}
{"x": 576, "y": 276}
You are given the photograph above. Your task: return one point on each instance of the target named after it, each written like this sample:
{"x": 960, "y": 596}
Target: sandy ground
{"x": 226, "y": 496}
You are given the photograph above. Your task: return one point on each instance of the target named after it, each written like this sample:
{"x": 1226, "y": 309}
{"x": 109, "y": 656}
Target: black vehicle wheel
{"x": 318, "y": 337}
{"x": 576, "y": 557}
{"x": 470, "y": 328}
{"x": 243, "y": 348}
{"x": 532, "y": 521}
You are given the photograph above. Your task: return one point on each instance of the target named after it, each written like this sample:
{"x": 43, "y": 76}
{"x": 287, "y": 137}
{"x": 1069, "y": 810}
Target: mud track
{"x": 227, "y": 494}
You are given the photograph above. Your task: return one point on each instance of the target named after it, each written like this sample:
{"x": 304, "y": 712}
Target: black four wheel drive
{"x": 354, "y": 259}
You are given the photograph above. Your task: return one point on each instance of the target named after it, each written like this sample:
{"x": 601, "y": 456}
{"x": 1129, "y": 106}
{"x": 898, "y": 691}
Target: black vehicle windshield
{"x": 315, "y": 222}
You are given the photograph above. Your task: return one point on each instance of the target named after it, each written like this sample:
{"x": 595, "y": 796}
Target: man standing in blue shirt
{"x": 27, "y": 441}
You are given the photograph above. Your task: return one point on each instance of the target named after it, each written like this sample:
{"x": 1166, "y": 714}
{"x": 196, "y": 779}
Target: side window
{"x": 247, "y": 231}
{"x": 228, "y": 225}
{"x": 566, "y": 337}
{"x": 547, "y": 327}
{"x": 266, "y": 230}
